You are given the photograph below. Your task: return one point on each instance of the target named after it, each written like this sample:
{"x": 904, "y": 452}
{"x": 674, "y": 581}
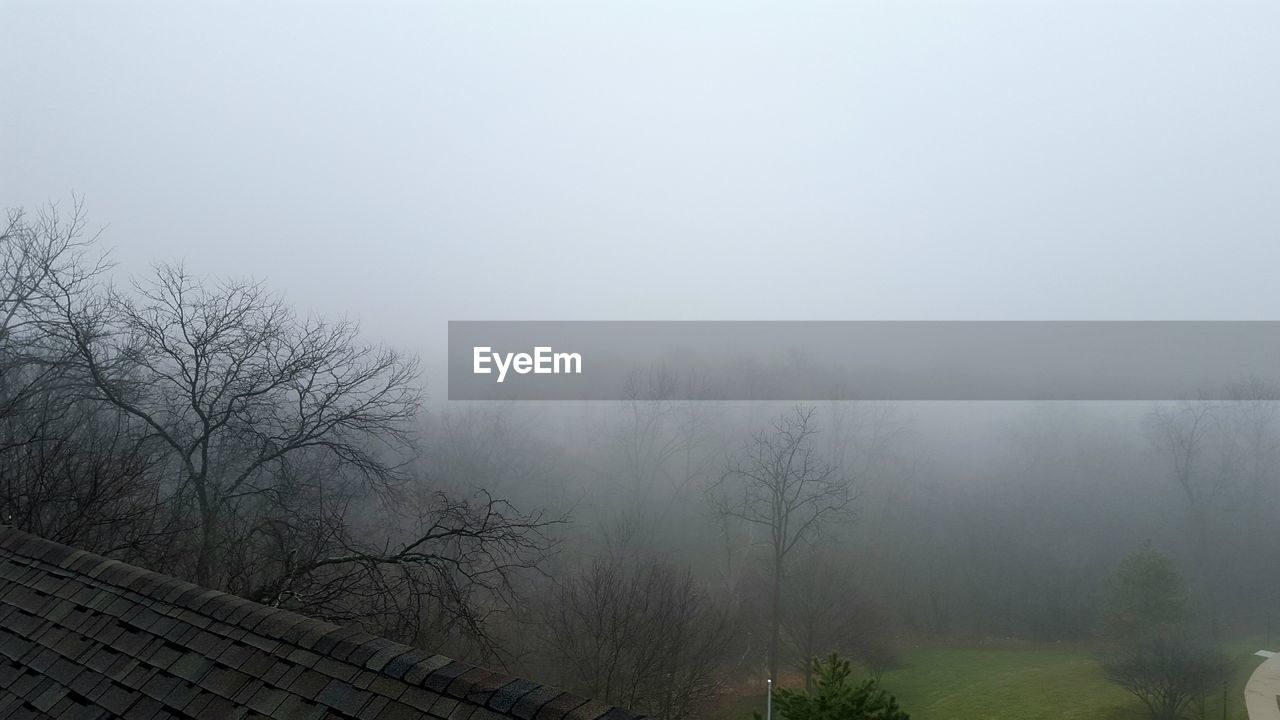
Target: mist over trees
{"x": 651, "y": 553}
{"x": 783, "y": 489}
{"x": 1156, "y": 649}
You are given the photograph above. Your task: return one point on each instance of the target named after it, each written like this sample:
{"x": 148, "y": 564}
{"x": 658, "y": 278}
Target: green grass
{"x": 1018, "y": 683}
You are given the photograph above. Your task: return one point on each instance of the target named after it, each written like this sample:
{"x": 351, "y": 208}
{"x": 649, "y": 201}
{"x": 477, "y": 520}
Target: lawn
{"x": 1018, "y": 683}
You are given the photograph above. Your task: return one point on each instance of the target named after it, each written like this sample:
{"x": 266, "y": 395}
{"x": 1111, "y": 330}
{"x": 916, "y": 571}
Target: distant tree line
{"x": 658, "y": 554}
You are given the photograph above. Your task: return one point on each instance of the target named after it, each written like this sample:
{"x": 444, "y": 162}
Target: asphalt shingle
{"x": 83, "y": 636}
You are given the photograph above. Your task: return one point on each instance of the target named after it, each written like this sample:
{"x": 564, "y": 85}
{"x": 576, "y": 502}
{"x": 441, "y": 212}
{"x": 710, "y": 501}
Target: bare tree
{"x": 268, "y": 438}
{"x": 1250, "y": 420}
{"x": 43, "y": 259}
{"x": 1183, "y": 434}
{"x": 70, "y": 470}
{"x": 73, "y": 472}
{"x": 1214, "y": 451}
{"x": 1252, "y": 425}
{"x": 781, "y": 486}
{"x": 824, "y": 611}
{"x": 640, "y": 633}
{"x": 437, "y": 588}
{"x": 1167, "y": 675}
{"x": 658, "y": 455}
{"x": 232, "y": 384}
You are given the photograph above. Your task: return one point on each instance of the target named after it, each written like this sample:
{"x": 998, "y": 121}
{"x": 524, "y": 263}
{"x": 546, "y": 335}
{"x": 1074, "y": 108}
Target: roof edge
{"x": 462, "y": 681}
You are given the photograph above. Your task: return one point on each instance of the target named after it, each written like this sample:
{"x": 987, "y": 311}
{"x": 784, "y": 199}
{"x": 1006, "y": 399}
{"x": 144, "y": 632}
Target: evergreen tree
{"x": 835, "y": 697}
{"x": 1146, "y": 598}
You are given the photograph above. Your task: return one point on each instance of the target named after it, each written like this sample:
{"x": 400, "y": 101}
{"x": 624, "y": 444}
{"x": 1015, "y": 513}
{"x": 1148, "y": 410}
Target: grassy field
{"x": 1018, "y": 683}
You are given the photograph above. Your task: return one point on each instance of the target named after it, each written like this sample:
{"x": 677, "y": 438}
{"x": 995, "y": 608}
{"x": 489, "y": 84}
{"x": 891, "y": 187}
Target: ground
{"x": 1023, "y": 682}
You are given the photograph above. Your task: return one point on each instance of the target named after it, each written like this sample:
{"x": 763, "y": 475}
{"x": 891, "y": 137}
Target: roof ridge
{"x": 473, "y": 684}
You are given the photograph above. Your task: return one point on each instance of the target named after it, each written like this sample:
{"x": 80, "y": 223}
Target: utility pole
{"x": 768, "y": 707}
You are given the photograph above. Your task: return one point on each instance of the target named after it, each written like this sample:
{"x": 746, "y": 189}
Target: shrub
{"x": 1166, "y": 674}
{"x": 834, "y": 697}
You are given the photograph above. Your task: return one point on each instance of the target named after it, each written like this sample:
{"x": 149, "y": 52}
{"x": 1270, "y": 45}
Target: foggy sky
{"x": 412, "y": 163}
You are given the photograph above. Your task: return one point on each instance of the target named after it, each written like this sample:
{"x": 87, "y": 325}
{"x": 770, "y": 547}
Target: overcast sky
{"x": 417, "y": 162}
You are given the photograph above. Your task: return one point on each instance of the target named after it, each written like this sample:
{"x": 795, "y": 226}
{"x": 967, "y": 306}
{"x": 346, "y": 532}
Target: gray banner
{"x": 599, "y": 360}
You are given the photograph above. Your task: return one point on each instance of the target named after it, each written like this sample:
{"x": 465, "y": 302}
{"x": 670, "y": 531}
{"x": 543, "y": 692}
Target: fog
{"x": 403, "y": 165}
{"x": 415, "y": 163}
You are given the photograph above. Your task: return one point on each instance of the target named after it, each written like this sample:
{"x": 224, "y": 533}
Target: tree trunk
{"x": 208, "y": 544}
{"x": 775, "y": 618}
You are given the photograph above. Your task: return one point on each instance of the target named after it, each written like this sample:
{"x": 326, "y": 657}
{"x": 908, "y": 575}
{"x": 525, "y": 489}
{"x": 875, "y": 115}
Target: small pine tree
{"x": 834, "y": 697}
{"x": 1154, "y": 652}
{"x": 1146, "y": 598}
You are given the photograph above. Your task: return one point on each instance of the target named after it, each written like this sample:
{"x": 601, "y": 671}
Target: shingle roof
{"x": 82, "y": 636}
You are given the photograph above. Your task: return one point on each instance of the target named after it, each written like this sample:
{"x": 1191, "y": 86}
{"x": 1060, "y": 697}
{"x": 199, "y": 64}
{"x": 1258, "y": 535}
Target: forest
{"x": 662, "y": 555}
